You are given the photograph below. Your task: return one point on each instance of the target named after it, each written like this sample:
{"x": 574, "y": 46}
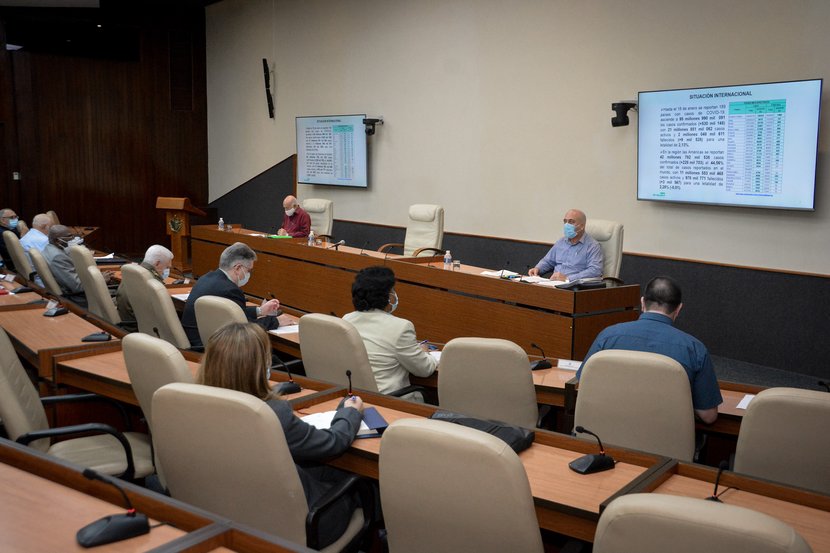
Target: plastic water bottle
{"x": 311, "y": 238}
{"x": 448, "y": 260}
{"x": 221, "y": 224}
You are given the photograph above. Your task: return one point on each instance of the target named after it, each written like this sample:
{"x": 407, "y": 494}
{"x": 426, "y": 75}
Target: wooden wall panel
{"x": 100, "y": 139}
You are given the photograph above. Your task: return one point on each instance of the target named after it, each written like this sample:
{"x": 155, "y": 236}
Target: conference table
{"x": 45, "y": 501}
{"x": 441, "y": 303}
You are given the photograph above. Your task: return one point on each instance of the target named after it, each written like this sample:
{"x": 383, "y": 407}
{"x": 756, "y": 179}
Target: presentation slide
{"x": 748, "y": 145}
{"x": 331, "y": 149}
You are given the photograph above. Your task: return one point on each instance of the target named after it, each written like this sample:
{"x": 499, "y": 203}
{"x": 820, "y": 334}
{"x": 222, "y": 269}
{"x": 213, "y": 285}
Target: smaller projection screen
{"x": 745, "y": 145}
{"x": 331, "y": 150}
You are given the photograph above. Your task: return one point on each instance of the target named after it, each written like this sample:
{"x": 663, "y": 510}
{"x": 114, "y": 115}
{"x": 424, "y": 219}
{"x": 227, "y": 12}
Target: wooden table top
{"x": 811, "y": 523}
{"x": 37, "y": 515}
{"x": 37, "y": 332}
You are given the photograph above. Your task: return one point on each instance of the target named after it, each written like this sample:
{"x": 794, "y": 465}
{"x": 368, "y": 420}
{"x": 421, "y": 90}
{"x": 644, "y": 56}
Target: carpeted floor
{"x": 733, "y": 370}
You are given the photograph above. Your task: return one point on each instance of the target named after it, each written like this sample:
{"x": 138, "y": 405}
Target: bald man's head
{"x": 289, "y": 202}
{"x": 42, "y": 222}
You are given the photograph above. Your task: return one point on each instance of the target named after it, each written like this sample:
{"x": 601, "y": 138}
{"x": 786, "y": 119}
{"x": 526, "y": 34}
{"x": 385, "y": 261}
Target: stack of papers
{"x": 744, "y": 403}
{"x": 372, "y": 425}
{"x": 108, "y": 256}
{"x": 288, "y": 329}
{"x": 180, "y": 297}
{"x": 501, "y": 274}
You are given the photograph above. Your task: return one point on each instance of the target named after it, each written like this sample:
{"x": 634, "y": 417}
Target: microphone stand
{"x": 112, "y": 528}
{"x": 589, "y": 464}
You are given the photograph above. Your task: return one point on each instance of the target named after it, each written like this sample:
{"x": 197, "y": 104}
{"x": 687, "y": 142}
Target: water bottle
{"x": 311, "y": 238}
{"x": 221, "y": 224}
{"x": 448, "y": 260}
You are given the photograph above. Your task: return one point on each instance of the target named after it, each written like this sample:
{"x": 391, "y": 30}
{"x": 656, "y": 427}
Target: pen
{"x": 422, "y": 342}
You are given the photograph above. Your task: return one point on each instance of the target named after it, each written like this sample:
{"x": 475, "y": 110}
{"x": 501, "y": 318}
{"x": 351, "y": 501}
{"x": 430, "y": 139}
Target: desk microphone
{"x": 722, "y": 467}
{"x": 336, "y": 245}
{"x": 112, "y": 528}
{"x": 820, "y": 382}
{"x": 366, "y": 243}
{"x": 289, "y": 387}
{"x": 589, "y": 464}
{"x": 542, "y": 363}
{"x": 349, "y": 376}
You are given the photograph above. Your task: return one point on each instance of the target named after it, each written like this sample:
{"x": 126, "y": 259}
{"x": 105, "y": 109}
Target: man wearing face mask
{"x": 576, "y": 255}
{"x": 296, "y": 222}
{"x": 235, "y": 266}
{"x": 8, "y": 221}
{"x": 61, "y": 238}
{"x": 394, "y": 351}
{"x": 157, "y": 260}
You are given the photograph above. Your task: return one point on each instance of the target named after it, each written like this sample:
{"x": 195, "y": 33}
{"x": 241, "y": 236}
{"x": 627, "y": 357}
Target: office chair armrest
{"x": 92, "y": 427}
{"x": 417, "y": 252}
{"x": 389, "y": 246}
{"x": 407, "y": 390}
{"x": 351, "y": 483}
{"x": 66, "y": 398}
{"x": 613, "y": 280}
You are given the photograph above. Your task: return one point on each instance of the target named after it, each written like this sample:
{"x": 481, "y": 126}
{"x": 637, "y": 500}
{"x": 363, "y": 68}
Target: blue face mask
{"x": 570, "y": 231}
{"x": 13, "y": 223}
{"x": 165, "y": 273}
{"x": 394, "y": 304}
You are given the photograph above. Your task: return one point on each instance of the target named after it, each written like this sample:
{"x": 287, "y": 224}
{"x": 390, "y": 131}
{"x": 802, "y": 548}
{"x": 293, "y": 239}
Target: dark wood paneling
{"x": 99, "y": 139}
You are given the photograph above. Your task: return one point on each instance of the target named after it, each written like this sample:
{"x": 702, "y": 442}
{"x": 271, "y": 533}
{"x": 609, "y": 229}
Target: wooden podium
{"x": 177, "y": 211}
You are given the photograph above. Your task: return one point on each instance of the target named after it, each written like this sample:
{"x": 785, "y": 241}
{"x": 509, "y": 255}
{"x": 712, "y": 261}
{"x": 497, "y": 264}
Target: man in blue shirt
{"x": 654, "y": 332}
{"x": 576, "y": 255}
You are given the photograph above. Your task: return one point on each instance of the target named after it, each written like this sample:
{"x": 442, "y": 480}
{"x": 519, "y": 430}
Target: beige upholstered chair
{"x": 132, "y": 279}
{"x": 21, "y": 262}
{"x": 25, "y": 420}
{"x": 322, "y": 215}
{"x": 656, "y": 523}
{"x": 637, "y": 400}
{"x": 247, "y": 476}
{"x": 487, "y": 378}
{"x": 168, "y": 325}
{"x": 98, "y": 297}
{"x": 447, "y": 488}
{"x": 54, "y": 216}
{"x": 45, "y": 273}
{"x": 609, "y": 234}
{"x": 152, "y": 363}
{"x": 424, "y": 233}
{"x": 330, "y": 346}
{"x": 23, "y": 228}
{"x": 783, "y": 438}
{"x": 213, "y": 312}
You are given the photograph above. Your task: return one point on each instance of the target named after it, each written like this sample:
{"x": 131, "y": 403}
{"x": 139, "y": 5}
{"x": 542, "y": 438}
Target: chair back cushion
{"x": 448, "y": 488}
{"x": 20, "y": 407}
{"x": 45, "y": 273}
{"x": 169, "y": 325}
{"x": 656, "y": 523}
{"x": 322, "y": 215}
{"x": 487, "y": 378}
{"x": 54, "y": 216}
{"x": 132, "y": 282}
{"x": 638, "y": 400}
{"x": 783, "y": 438}
{"x": 225, "y": 451}
{"x": 21, "y": 262}
{"x": 425, "y": 228}
{"x": 609, "y": 234}
{"x": 214, "y": 312}
{"x": 98, "y": 297}
{"x": 330, "y": 346}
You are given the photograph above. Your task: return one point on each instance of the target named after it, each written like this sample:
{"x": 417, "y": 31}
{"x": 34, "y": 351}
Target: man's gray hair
{"x": 41, "y": 220}
{"x": 236, "y": 253}
{"x": 156, "y": 254}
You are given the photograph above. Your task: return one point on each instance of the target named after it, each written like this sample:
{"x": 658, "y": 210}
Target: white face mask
{"x": 165, "y": 273}
{"x": 290, "y": 212}
{"x": 244, "y": 280}
{"x": 394, "y": 303}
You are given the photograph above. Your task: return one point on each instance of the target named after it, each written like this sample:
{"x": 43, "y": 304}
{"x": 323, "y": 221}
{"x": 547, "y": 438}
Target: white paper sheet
{"x": 744, "y": 403}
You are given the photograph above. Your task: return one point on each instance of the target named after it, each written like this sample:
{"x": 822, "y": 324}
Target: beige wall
{"x": 500, "y": 110}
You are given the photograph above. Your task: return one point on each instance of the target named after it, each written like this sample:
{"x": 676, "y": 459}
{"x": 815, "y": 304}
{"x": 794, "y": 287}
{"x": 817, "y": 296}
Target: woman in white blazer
{"x": 394, "y": 351}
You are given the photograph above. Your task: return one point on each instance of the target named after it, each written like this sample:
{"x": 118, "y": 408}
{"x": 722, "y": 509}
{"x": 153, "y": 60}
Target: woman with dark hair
{"x": 394, "y": 351}
{"x": 238, "y": 357}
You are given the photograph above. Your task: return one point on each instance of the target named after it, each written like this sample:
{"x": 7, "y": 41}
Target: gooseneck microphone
{"x": 363, "y": 247}
{"x": 589, "y": 464}
{"x": 721, "y": 467}
{"x": 289, "y": 387}
{"x": 337, "y": 245}
{"x": 349, "y": 376}
{"x": 542, "y": 363}
{"x": 112, "y": 528}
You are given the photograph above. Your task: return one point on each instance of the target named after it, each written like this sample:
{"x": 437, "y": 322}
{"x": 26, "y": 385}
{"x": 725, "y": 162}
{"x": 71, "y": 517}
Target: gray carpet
{"x": 733, "y": 370}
